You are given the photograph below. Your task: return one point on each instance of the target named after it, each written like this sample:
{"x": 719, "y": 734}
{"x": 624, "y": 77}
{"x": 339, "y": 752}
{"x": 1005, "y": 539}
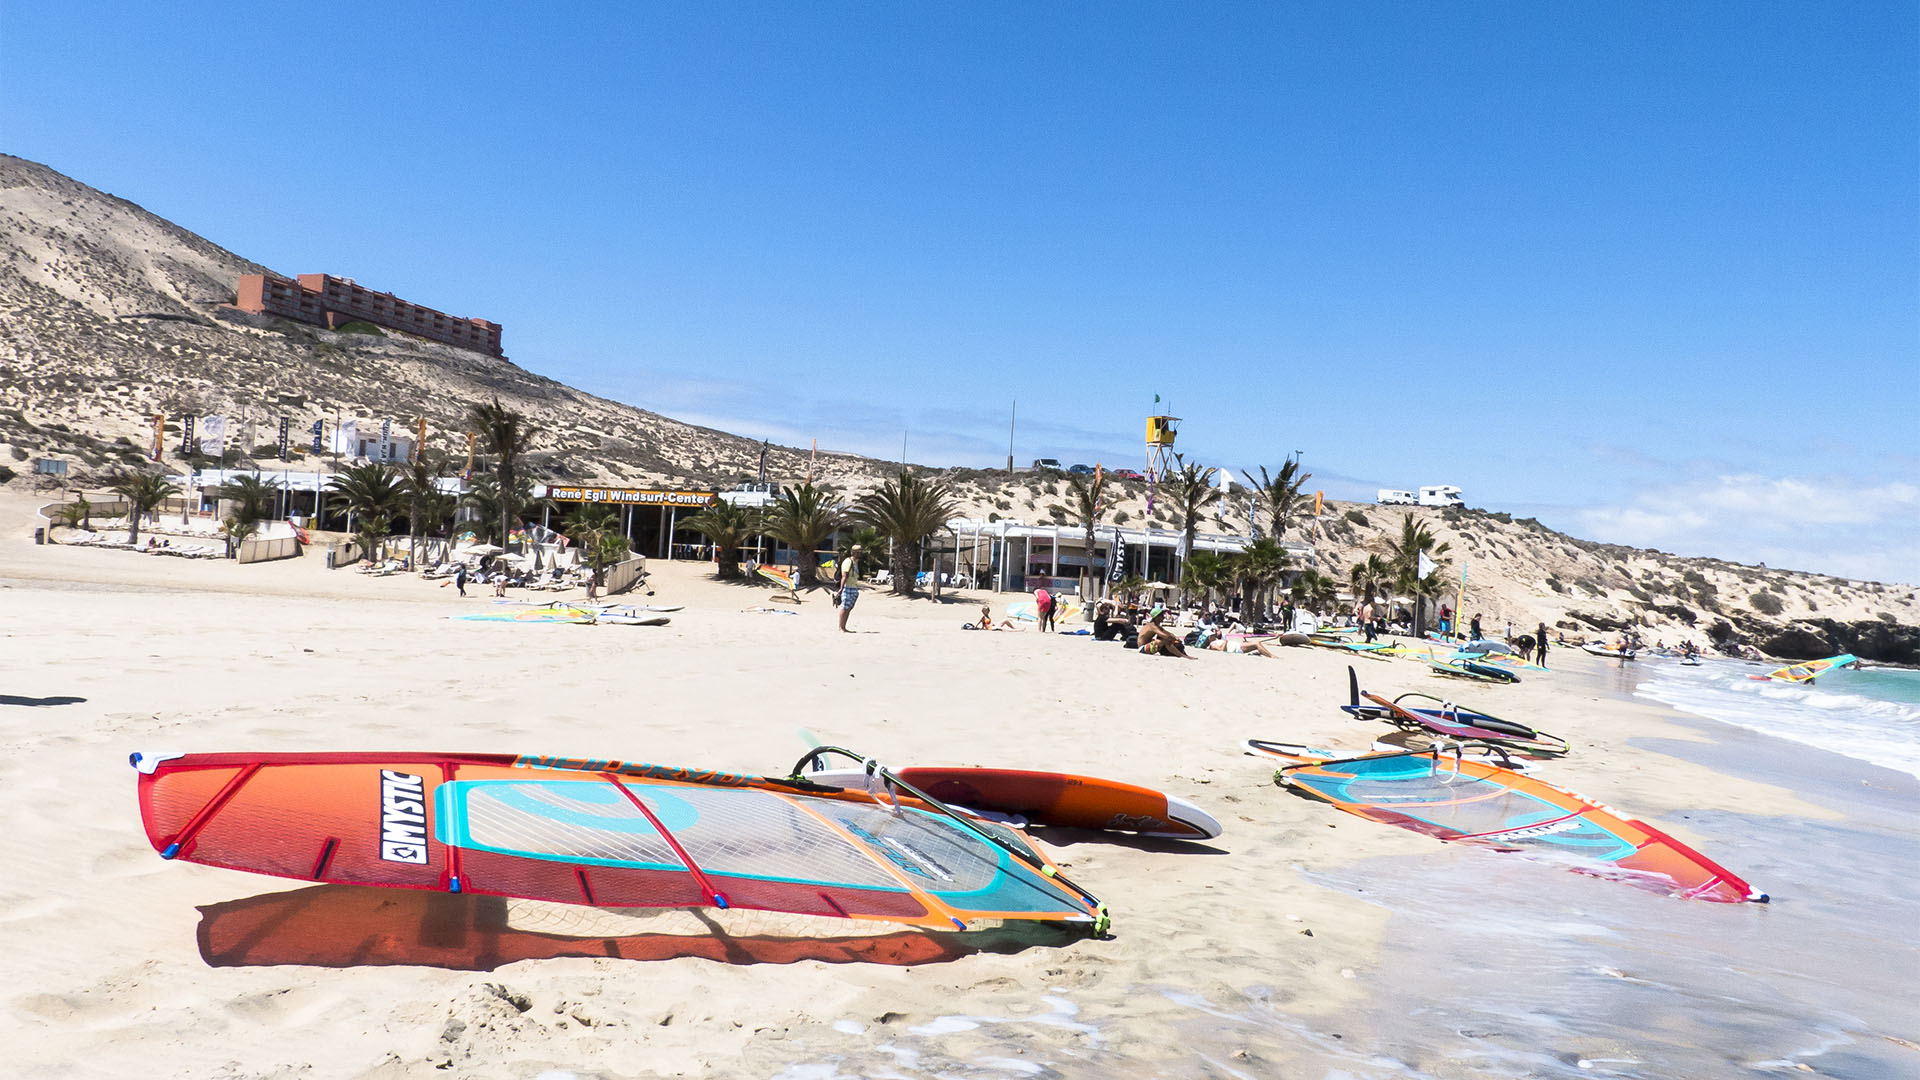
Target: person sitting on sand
{"x": 1107, "y": 625}
{"x": 1157, "y": 640}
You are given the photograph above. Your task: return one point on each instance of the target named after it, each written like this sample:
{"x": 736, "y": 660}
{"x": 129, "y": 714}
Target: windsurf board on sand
{"x": 1049, "y": 798}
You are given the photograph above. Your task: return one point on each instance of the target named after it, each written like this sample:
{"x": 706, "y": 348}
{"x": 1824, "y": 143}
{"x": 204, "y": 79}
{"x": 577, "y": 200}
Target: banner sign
{"x": 420, "y": 443}
{"x": 318, "y": 425}
{"x": 159, "y": 435}
{"x": 1117, "y": 567}
{"x": 286, "y": 429}
{"x": 346, "y": 438}
{"x": 386, "y": 440}
{"x": 186, "y": 436}
{"x": 629, "y": 496}
{"x": 213, "y": 436}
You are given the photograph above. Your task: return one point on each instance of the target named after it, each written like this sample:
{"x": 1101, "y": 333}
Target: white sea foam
{"x": 1828, "y": 715}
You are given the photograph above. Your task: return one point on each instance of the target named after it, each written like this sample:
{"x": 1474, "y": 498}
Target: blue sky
{"x": 1648, "y": 272}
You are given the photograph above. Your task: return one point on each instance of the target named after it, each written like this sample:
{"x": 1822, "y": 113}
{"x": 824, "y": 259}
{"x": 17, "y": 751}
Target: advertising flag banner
{"x": 286, "y": 429}
{"x": 346, "y": 438}
{"x": 159, "y": 434}
{"x": 386, "y": 440}
{"x": 186, "y": 436}
{"x": 420, "y": 441}
{"x": 213, "y": 436}
{"x": 1319, "y": 497}
{"x": 318, "y": 429}
{"x": 1117, "y": 563}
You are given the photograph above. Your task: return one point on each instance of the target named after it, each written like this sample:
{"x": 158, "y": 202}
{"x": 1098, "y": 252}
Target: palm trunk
{"x": 133, "y": 523}
{"x": 904, "y": 570}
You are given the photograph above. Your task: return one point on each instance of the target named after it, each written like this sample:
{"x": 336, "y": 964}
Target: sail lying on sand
{"x": 1449, "y": 798}
{"x": 599, "y": 833}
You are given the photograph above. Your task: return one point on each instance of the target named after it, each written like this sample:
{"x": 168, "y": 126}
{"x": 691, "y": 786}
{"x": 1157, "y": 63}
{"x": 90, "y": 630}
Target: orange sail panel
{"x": 599, "y": 833}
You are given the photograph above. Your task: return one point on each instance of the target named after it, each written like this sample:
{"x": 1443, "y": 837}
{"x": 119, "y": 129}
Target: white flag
{"x": 1425, "y": 565}
{"x": 346, "y": 439}
{"x": 213, "y": 436}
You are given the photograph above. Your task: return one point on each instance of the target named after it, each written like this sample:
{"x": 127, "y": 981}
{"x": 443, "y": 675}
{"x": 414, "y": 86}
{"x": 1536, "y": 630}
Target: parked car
{"x": 1081, "y": 470}
{"x": 1128, "y": 474}
{"x": 1047, "y": 464}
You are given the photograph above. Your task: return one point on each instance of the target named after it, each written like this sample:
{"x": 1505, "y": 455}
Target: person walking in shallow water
{"x": 847, "y": 580}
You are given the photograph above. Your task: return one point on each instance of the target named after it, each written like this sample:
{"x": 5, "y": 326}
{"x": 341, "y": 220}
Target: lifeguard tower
{"x": 1161, "y": 431}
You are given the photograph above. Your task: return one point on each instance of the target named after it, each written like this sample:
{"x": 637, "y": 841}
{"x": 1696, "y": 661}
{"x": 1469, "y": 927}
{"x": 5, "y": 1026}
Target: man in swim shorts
{"x": 847, "y": 580}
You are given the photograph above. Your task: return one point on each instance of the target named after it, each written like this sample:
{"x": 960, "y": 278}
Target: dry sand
{"x": 120, "y": 964}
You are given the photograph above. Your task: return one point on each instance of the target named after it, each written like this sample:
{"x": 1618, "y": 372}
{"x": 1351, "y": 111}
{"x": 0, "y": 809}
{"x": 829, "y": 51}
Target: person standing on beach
{"x": 1043, "y": 609}
{"x": 460, "y": 578}
{"x": 847, "y": 580}
{"x": 1540, "y": 645}
{"x": 1475, "y": 625}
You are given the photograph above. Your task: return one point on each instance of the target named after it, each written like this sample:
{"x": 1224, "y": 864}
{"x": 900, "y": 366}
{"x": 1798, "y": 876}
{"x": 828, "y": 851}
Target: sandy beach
{"x": 1289, "y": 946}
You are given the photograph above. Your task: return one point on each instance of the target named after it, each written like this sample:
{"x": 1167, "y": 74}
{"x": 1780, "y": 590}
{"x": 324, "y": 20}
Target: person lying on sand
{"x": 1156, "y": 640}
{"x": 1239, "y": 645}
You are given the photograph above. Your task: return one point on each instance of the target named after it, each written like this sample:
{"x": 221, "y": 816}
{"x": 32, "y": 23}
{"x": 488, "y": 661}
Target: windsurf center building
{"x": 332, "y": 302}
{"x": 650, "y": 517}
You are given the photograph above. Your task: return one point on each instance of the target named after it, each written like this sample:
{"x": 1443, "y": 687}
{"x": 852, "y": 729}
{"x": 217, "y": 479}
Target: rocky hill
{"x": 109, "y": 314}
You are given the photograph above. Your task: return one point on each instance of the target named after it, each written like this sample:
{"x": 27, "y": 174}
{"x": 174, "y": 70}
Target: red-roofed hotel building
{"x": 332, "y": 302}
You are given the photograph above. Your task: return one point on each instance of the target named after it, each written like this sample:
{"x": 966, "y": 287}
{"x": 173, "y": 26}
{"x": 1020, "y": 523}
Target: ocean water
{"x": 1872, "y": 714}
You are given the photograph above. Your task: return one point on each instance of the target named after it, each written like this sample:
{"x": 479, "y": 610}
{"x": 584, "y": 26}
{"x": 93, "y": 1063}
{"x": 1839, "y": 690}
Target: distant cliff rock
{"x": 1879, "y": 640}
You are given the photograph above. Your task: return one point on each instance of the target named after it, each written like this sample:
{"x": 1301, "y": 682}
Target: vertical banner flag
{"x": 318, "y": 429}
{"x": 1117, "y": 567}
{"x": 1318, "y": 498}
{"x": 346, "y": 438}
{"x": 467, "y": 474}
{"x": 286, "y": 429}
{"x": 386, "y": 440}
{"x": 186, "y": 436}
{"x": 420, "y": 442}
{"x": 159, "y": 435}
{"x": 213, "y": 436}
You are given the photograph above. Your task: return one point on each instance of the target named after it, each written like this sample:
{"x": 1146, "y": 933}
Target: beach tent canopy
{"x": 481, "y": 549}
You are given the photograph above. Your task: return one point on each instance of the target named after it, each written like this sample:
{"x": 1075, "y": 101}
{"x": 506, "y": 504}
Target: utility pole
{"x": 1012, "y": 415}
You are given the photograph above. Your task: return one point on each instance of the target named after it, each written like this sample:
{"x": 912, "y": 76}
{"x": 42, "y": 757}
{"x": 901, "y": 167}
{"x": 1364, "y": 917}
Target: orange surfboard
{"x": 1050, "y": 798}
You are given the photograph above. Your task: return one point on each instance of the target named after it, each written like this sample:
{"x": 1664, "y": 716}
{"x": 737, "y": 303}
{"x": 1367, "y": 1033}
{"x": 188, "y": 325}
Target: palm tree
{"x": 1129, "y": 586}
{"x": 803, "y": 518}
{"x": 1084, "y": 503}
{"x": 1415, "y": 540}
{"x": 1280, "y": 492}
{"x": 483, "y": 498}
{"x": 1370, "y": 576}
{"x": 372, "y": 535}
{"x": 238, "y": 530}
{"x": 372, "y": 488}
{"x": 864, "y": 537}
{"x": 252, "y": 497}
{"x": 420, "y": 479}
{"x": 436, "y": 510}
{"x": 505, "y": 435}
{"x": 143, "y": 491}
{"x": 905, "y": 511}
{"x": 1261, "y": 567}
{"x": 1205, "y": 571}
{"x": 727, "y": 527}
{"x": 1192, "y": 490}
{"x": 1313, "y": 587}
{"x": 597, "y": 530}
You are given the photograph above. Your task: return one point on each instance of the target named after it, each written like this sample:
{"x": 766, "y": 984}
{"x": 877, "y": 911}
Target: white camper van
{"x": 1441, "y": 495}
{"x": 1390, "y": 497}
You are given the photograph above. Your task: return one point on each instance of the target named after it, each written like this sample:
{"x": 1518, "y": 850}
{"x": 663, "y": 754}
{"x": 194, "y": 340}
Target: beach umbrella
{"x": 482, "y": 549}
